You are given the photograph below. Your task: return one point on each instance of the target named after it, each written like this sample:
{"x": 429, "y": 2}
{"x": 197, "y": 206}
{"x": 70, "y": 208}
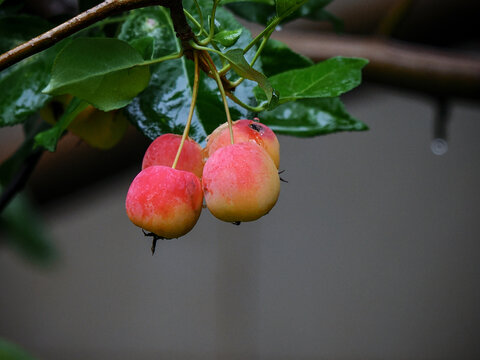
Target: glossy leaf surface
{"x": 163, "y": 106}
{"x": 228, "y": 37}
{"x": 328, "y": 78}
{"x": 101, "y": 71}
{"x": 26, "y": 79}
{"x": 278, "y": 57}
{"x": 311, "y": 117}
{"x": 242, "y": 68}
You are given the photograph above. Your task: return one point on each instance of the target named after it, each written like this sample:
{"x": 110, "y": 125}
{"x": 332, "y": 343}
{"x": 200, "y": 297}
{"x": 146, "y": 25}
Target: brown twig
{"x": 20, "y": 179}
{"x": 87, "y": 18}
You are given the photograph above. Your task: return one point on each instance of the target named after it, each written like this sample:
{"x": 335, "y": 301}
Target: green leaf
{"x": 10, "y": 351}
{"x": 328, "y": 78}
{"x": 26, "y": 79}
{"x": 242, "y": 68}
{"x": 258, "y": 13}
{"x": 277, "y": 58}
{"x": 311, "y": 117}
{"x": 144, "y": 46}
{"x": 286, "y": 7}
{"x": 263, "y": 12}
{"x": 228, "y": 37}
{"x": 104, "y": 72}
{"x": 48, "y": 139}
{"x": 163, "y": 107}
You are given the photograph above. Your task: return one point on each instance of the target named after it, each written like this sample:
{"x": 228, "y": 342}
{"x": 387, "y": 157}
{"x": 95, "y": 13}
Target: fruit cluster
{"x": 239, "y": 181}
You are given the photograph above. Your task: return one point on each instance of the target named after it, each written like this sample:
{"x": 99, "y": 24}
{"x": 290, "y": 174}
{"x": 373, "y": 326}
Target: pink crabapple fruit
{"x": 240, "y": 182}
{"x": 245, "y": 131}
{"x": 163, "y": 149}
{"x": 165, "y": 201}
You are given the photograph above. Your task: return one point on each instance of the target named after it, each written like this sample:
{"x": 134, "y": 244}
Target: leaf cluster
{"x": 134, "y": 63}
{"x": 142, "y": 71}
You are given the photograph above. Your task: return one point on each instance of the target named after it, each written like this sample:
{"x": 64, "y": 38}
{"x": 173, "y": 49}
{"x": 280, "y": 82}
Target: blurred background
{"x": 370, "y": 253}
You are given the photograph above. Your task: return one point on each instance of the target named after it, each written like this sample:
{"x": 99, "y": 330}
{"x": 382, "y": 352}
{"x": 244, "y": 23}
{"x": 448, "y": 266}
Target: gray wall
{"x": 370, "y": 253}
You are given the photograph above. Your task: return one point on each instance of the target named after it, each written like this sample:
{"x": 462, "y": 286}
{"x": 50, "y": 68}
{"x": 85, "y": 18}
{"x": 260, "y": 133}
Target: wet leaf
{"x": 329, "y": 78}
{"x": 105, "y": 72}
{"x": 21, "y": 84}
{"x": 278, "y": 57}
{"x": 163, "y": 106}
{"x": 311, "y": 117}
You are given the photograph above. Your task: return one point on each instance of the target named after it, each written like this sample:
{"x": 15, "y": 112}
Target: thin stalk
{"x": 192, "y": 108}
{"x": 199, "y": 10}
{"x": 163, "y": 58}
{"x": 224, "y": 97}
{"x": 260, "y": 48}
{"x": 237, "y": 82}
{"x": 224, "y": 69}
{"x": 268, "y": 30}
{"x": 203, "y": 31}
{"x": 212, "y": 25}
{"x": 204, "y": 48}
{"x": 207, "y": 55}
{"x": 236, "y": 100}
{"x": 227, "y": 67}
{"x": 195, "y": 22}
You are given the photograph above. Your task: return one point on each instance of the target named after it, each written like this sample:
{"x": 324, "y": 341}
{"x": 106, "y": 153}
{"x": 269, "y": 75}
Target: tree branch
{"x": 20, "y": 179}
{"x": 85, "y": 19}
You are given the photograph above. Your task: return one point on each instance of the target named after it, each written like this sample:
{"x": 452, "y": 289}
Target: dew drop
{"x": 439, "y": 146}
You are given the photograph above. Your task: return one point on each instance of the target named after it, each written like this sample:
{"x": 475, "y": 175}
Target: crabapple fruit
{"x": 99, "y": 129}
{"x": 240, "y": 182}
{"x": 165, "y": 201}
{"x": 163, "y": 149}
{"x": 245, "y": 131}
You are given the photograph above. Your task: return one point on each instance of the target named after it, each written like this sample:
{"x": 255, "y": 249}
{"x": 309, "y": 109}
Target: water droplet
{"x": 278, "y": 28}
{"x": 439, "y": 146}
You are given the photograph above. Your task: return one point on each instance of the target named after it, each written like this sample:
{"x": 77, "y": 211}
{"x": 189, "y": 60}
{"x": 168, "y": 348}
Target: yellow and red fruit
{"x": 240, "y": 182}
{"x": 245, "y": 131}
{"x": 165, "y": 201}
{"x": 163, "y": 149}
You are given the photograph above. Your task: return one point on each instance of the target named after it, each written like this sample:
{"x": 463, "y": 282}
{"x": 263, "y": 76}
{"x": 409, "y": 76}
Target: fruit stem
{"x": 200, "y": 14}
{"x": 163, "y": 58}
{"x": 192, "y": 108}
{"x": 195, "y": 22}
{"x": 236, "y": 100}
{"x": 212, "y": 25}
{"x": 265, "y": 32}
{"x": 222, "y": 92}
